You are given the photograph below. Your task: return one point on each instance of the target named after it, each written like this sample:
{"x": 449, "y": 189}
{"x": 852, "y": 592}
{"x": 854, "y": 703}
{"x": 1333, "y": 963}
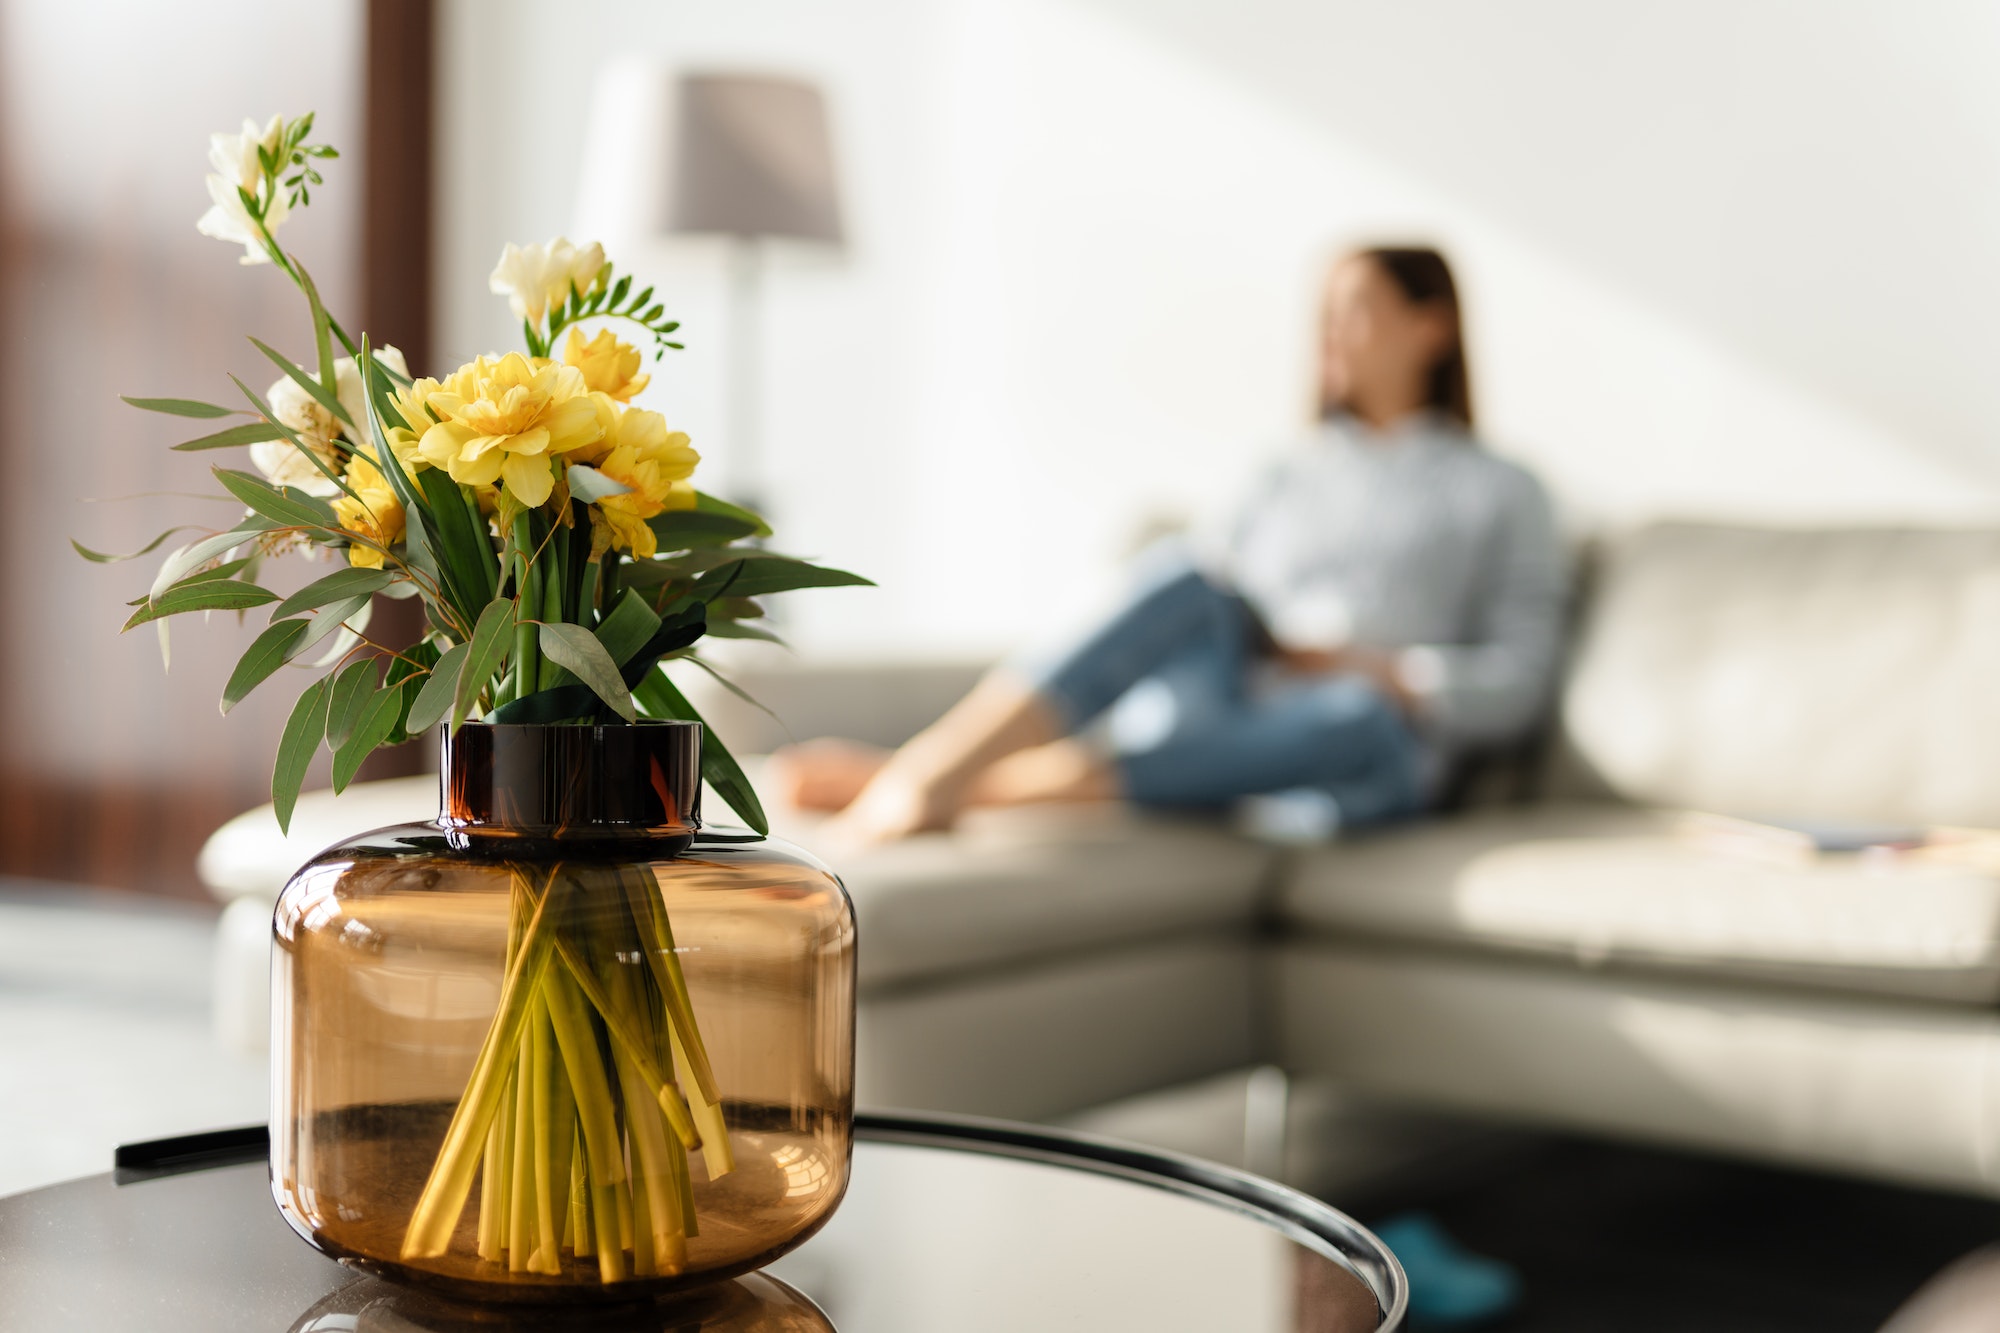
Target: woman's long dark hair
{"x": 1423, "y": 276}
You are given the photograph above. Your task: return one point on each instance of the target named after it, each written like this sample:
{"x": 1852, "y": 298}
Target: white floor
{"x": 104, "y": 1031}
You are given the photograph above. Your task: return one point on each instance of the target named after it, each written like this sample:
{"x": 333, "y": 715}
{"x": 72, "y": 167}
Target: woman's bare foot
{"x": 927, "y": 782}
{"x": 824, "y": 774}
{"x": 1060, "y": 771}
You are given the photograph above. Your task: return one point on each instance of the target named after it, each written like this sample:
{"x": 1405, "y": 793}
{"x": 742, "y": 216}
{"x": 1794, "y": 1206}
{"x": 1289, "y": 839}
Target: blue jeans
{"x": 1215, "y": 740}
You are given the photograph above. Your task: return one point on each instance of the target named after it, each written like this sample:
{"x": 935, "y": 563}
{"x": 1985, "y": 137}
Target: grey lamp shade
{"x": 752, "y": 157}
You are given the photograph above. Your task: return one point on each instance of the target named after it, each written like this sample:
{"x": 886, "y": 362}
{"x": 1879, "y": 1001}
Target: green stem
{"x": 550, "y": 674}
{"x": 527, "y": 658}
{"x": 437, "y": 1210}
{"x": 627, "y": 1038}
{"x": 521, "y": 1199}
{"x": 585, "y": 1066}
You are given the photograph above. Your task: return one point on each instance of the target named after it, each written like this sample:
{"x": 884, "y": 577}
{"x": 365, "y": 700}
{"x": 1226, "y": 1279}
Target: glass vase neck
{"x": 564, "y": 782}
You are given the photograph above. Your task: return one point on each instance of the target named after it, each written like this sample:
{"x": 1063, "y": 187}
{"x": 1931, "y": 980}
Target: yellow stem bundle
{"x": 574, "y": 1150}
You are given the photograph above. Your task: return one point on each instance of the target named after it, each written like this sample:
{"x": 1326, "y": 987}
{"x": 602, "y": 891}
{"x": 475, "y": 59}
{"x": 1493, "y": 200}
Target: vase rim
{"x": 569, "y": 781}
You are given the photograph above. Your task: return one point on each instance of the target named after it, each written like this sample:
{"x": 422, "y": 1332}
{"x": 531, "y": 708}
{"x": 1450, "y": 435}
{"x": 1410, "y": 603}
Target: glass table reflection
{"x": 950, "y": 1226}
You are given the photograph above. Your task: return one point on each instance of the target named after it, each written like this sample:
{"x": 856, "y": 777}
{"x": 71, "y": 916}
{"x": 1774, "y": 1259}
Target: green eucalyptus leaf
{"x": 578, "y": 651}
{"x": 329, "y": 619}
{"x": 228, "y": 569}
{"x": 376, "y": 723}
{"x": 351, "y": 691}
{"x": 272, "y": 650}
{"x": 434, "y": 697}
{"x": 178, "y": 407}
{"x": 626, "y": 630}
{"x": 283, "y": 505}
{"x": 209, "y": 595}
{"x": 303, "y": 732}
{"x": 99, "y": 557}
{"x": 489, "y": 644}
{"x": 251, "y": 433}
{"x": 335, "y": 587}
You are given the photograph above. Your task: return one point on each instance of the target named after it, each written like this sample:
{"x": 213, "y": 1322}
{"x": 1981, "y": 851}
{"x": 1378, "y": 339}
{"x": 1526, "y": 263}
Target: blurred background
{"x": 1721, "y": 260}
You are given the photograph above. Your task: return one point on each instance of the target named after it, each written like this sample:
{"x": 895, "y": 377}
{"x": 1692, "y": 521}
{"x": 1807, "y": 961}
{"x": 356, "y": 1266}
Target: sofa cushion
{"x": 1037, "y": 883}
{"x": 1614, "y": 884}
{"x": 250, "y": 857}
{"x": 1822, "y": 675}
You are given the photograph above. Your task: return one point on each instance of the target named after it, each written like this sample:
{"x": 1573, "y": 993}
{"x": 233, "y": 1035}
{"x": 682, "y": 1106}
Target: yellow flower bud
{"x": 377, "y": 516}
{"x": 656, "y": 463}
{"x": 608, "y": 365}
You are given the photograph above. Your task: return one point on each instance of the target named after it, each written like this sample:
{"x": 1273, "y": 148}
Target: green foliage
{"x": 543, "y": 626}
{"x": 272, "y": 650}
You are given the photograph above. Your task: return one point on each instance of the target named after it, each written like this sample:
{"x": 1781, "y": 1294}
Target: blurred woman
{"x": 1390, "y": 596}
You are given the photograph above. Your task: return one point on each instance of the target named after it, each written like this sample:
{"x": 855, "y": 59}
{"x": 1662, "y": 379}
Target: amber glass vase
{"x": 561, "y": 1045}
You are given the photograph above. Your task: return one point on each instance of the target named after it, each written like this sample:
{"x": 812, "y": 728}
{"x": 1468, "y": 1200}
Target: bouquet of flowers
{"x": 563, "y": 557}
{"x": 552, "y": 530}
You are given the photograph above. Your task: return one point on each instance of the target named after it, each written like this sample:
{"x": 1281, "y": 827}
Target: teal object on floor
{"x": 1449, "y": 1286}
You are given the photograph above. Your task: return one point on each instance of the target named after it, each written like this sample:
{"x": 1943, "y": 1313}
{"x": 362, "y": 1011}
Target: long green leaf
{"x": 335, "y": 587}
{"x": 325, "y": 397}
{"x": 489, "y": 643}
{"x": 385, "y": 457}
{"x": 322, "y": 343}
{"x": 433, "y": 700}
{"x": 660, "y": 698}
{"x": 704, "y": 503}
{"x": 283, "y": 505}
{"x": 328, "y": 620}
{"x": 254, "y": 432}
{"x": 177, "y": 407}
{"x": 209, "y": 595}
{"x": 303, "y": 732}
{"x": 577, "y": 650}
{"x": 628, "y": 627}
{"x": 271, "y": 650}
{"x": 99, "y": 557}
{"x": 376, "y": 723}
{"x": 736, "y": 629}
{"x": 766, "y": 572}
{"x": 351, "y": 690}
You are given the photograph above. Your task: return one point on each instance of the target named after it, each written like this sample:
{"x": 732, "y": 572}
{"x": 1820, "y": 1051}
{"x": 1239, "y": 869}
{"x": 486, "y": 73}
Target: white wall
{"x": 1726, "y": 259}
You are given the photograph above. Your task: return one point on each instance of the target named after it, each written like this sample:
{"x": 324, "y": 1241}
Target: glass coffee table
{"x": 950, "y": 1226}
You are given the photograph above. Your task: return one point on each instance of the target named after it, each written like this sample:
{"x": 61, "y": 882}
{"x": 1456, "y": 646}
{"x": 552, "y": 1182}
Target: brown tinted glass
{"x": 560, "y": 1045}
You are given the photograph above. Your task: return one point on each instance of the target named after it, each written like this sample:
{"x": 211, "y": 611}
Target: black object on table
{"x": 951, "y": 1225}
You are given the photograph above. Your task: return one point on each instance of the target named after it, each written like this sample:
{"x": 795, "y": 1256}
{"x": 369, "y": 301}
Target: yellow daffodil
{"x": 509, "y": 421}
{"x": 609, "y": 366}
{"x": 656, "y": 463}
{"x": 377, "y": 516}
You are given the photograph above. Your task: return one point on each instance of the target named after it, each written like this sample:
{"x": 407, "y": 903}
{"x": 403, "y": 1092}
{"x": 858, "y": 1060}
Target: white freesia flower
{"x": 234, "y": 157}
{"x": 535, "y": 277}
{"x": 280, "y": 460}
{"x": 347, "y": 388}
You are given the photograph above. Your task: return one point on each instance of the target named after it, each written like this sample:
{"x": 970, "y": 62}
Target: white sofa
{"x": 1565, "y": 961}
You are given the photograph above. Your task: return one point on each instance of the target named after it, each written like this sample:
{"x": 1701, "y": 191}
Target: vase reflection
{"x": 753, "y": 1304}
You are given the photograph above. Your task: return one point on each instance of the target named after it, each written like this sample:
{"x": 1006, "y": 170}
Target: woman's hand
{"x": 1378, "y": 666}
